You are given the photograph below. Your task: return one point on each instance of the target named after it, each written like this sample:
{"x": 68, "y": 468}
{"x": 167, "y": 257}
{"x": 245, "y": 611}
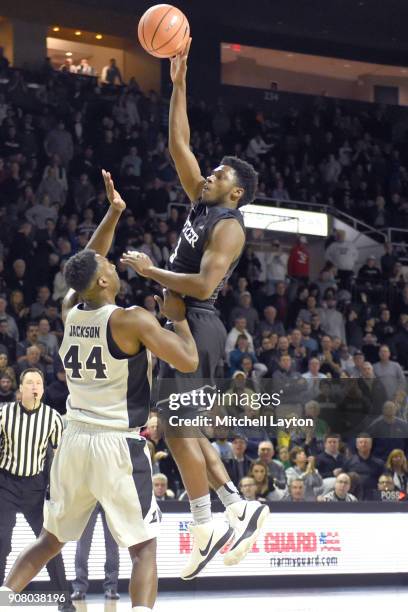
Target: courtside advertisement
{"x": 289, "y": 544}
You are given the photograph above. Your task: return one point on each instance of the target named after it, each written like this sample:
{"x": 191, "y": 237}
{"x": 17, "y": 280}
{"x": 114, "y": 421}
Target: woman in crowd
{"x": 397, "y": 466}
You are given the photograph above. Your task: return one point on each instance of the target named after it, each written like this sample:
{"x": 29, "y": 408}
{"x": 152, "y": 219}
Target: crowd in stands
{"x": 338, "y": 339}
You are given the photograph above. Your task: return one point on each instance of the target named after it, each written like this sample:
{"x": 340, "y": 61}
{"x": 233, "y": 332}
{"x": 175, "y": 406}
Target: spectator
{"x": 68, "y": 66}
{"x": 257, "y": 148}
{"x": 59, "y": 142}
{"x": 303, "y": 468}
{"x": 357, "y": 370}
{"x": 160, "y": 488}
{"x": 299, "y": 260}
{"x": 30, "y": 340}
{"x": 267, "y": 353}
{"x": 298, "y": 351}
{"x": 305, "y": 314}
{"x": 280, "y": 301}
{"x": 308, "y": 341}
{"x": 344, "y": 255}
{"x": 32, "y": 359}
{"x": 296, "y": 491}
{"x": 314, "y": 435}
{"x": 389, "y": 373}
{"x": 329, "y": 361}
{"x": 388, "y": 261}
{"x": 132, "y": 161}
{"x": 276, "y": 266}
{"x": 11, "y": 323}
{"x": 7, "y": 343}
{"x": 85, "y": 68}
{"x": 84, "y": 191}
{"x": 386, "y": 490}
{"x": 313, "y": 376}
{"x": 240, "y": 462}
{"x": 290, "y": 383}
{"x": 330, "y": 462}
{"x": 83, "y": 548}
{"x": 399, "y": 342}
{"x": 388, "y": 431}
{"x": 397, "y": 467}
{"x": 111, "y": 74}
{"x": 331, "y": 319}
{"x": 57, "y": 391}
{"x": 241, "y": 350}
{"x": 20, "y": 282}
{"x": 39, "y": 307}
{"x": 266, "y": 453}
{"x": 6, "y": 389}
{"x": 240, "y": 327}
{"x": 369, "y": 278}
{"x": 6, "y": 369}
{"x": 346, "y": 359}
{"x": 372, "y": 388}
{"x": 150, "y": 248}
{"x": 247, "y": 311}
{"x": 46, "y": 337}
{"x": 248, "y": 487}
{"x": 259, "y": 472}
{"x": 269, "y": 324}
{"x": 365, "y": 464}
{"x": 341, "y": 490}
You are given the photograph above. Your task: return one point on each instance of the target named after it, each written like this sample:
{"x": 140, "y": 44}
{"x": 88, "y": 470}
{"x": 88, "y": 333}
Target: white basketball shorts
{"x": 109, "y": 466}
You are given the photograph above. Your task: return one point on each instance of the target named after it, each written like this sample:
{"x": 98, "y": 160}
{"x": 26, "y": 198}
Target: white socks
{"x": 141, "y": 609}
{"x": 4, "y": 588}
{"x": 201, "y": 509}
{"x": 228, "y": 494}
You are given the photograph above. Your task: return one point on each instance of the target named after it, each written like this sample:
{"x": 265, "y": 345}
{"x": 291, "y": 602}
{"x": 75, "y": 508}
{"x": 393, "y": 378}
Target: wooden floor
{"x": 332, "y": 600}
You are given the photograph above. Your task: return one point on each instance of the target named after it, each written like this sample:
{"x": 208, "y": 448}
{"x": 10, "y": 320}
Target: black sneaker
{"x": 78, "y": 596}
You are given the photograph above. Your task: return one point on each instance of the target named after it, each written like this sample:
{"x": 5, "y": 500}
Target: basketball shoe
{"x": 208, "y": 539}
{"x": 246, "y": 519}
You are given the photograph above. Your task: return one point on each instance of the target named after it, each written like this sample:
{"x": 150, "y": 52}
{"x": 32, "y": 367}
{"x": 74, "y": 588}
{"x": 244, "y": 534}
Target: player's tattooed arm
{"x": 185, "y": 161}
{"x": 102, "y": 238}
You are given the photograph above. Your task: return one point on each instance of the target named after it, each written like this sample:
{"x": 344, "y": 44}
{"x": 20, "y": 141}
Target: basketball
{"x": 163, "y": 31}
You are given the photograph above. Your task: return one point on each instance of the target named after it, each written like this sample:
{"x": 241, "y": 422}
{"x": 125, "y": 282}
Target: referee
{"x": 27, "y": 428}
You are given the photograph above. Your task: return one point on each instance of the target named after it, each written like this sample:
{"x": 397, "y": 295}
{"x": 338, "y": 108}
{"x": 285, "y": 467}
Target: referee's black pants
{"x": 25, "y": 495}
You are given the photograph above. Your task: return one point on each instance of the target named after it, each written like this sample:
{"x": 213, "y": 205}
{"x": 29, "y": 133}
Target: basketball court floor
{"x": 302, "y": 600}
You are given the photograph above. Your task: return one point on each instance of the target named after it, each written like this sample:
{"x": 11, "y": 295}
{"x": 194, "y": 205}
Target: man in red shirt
{"x": 299, "y": 260}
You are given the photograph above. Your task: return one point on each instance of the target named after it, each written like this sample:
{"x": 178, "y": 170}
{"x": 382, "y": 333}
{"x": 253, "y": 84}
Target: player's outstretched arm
{"x": 224, "y": 247}
{"x": 102, "y": 238}
{"x": 136, "y": 326}
{"x": 179, "y": 130}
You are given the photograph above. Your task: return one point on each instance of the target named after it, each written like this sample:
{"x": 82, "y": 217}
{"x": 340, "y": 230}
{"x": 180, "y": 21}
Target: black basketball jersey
{"x": 189, "y": 250}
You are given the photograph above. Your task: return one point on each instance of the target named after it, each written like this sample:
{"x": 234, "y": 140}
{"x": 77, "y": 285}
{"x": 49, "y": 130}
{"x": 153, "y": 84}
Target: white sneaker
{"x": 209, "y": 538}
{"x": 246, "y": 518}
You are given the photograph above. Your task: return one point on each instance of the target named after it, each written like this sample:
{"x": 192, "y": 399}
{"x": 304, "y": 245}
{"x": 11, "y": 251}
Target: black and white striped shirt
{"x": 25, "y": 435}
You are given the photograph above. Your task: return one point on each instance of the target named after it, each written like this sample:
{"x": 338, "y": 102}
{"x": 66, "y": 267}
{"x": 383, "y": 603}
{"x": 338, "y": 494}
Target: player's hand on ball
{"x": 113, "y": 196}
{"x": 139, "y": 262}
{"x": 178, "y": 65}
{"x": 172, "y": 307}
